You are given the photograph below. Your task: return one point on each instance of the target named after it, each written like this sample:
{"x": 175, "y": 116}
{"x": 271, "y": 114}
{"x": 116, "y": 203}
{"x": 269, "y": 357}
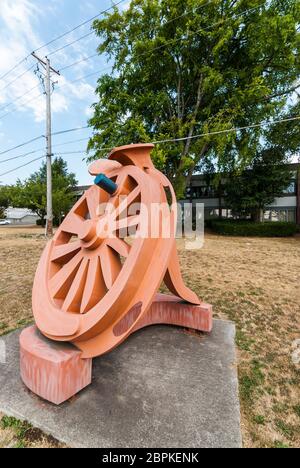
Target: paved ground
{"x": 164, "y": 387}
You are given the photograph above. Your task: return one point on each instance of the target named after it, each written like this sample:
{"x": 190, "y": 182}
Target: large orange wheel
{"x": 87, "y": 282}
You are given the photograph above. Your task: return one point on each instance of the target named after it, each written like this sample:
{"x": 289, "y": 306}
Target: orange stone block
{"x": 172, "y": 310}
{"x": 169, "y": 310}
{"x": 53, "y": 371}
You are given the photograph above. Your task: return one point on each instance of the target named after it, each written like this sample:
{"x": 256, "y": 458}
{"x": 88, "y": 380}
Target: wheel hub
{"x": 93, "y": 232}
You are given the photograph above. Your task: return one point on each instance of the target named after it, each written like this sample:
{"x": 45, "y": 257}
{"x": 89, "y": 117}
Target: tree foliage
{"x": 188, "y": 67}
{"x": 258, "y": 185}
{"x": 32, "y": 192}
{"x": 4, "y": 200}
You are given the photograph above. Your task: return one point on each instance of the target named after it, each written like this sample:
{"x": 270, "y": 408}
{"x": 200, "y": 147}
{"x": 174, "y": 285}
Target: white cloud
{"x": 17, "y": 37}
{"x": 19, "y": 20}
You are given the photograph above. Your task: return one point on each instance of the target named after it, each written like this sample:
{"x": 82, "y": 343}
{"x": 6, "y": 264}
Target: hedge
{"x": 248, "y": 228}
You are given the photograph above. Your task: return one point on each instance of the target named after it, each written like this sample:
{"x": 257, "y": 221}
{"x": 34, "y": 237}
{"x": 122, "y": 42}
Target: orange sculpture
{"x": 94, "y": 285}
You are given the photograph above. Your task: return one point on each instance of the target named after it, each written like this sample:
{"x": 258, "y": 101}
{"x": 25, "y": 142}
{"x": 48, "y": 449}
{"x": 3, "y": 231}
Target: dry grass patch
{"x": 252, "y": 281}
{"x": 20, "y": 250}
{"x": 255, "y": 283}
{"x": 19, "y": 434}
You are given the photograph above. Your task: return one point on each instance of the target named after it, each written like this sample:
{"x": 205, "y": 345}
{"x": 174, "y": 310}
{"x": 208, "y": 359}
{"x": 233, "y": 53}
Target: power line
{"x": 92, "y": 32}
{"x": 171, "y": 140}
{"x": 163, "y": 45}
{"x": 174, "y": 140}
{"x": 22, "y": 144}
{"x": 22, "y": 104}
{"x": 79, "y": 61}
{"x": 88, "y": 34}
{"x": 233, "y": 129}
{"x": 42, "y": 149}
{"x": 61, "y": 132}
{"x": 19, "y": 167}
{"x": 69, "y": 152}
{"x": 17, "y": 78}
{"x": 145, "y": 53}
{"x": 19, "y": 97}
{"x": 21, "y": 155}
{"x": 90, "y": 74}
{"x": 37, "y": 159}
{"x": 191, "y": 33}
{"x": 14, "y": 67}
{"x": 43, "y": 136}
{"x": 70, "y": 142}
{"x": 59, "y": 37}
{"x": 193, "y": 10}
{"x": 79, "y": 26}
{"x": 94, "y": 55}
{"x": 218, "y": 132}
{"x": 41, "y": 94}
{"x": 70, "y": 43}
{"x": 54, "y": 146}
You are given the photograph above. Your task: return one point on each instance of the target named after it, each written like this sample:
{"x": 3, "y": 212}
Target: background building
{"x": 283, "y": 208}
{"x": 21, "y": 216}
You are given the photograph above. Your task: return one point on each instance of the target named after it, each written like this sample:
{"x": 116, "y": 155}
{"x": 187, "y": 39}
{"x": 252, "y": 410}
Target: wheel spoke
{"x": 73, "y": 298}
{"x": 119, "y": 246}
{"x": 72, "y": 223}
{"x": 111, "y": 266}
{"x": 93, "y": 200}
{"x": 94, "y": 287}
{"x": 60, "y": 283}
{"x": 121, "y": 179}
{"x": 126, "y": 202}
{"x": 64, "y": 253}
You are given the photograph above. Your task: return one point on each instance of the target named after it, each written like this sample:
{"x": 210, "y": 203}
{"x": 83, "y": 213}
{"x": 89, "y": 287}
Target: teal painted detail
{"x": 106, "y": 184}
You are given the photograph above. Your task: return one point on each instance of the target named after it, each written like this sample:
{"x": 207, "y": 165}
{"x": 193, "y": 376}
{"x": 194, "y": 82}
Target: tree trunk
{"x": 298, "y": 198}
{"x": 191, "y": 170}
{"x": 220, "y": 199}
{"x": 257, "y": 215}
{"x": 191, "y": 131}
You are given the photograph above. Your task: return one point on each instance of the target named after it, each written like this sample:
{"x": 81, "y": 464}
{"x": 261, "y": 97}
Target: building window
{"x": 281, "y": 215}
{"x": 292, "y": 188}
{"x": 202, "y": 191}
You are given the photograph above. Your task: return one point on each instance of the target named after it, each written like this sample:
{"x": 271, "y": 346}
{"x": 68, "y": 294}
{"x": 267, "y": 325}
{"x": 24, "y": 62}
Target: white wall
{"x": 27, "y": 220}
{"x": 286, "y": 202}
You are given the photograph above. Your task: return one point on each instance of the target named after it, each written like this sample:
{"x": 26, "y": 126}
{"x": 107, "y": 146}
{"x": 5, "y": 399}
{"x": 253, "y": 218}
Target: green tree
{"x": 4, "y": 200}
{"x": 31, "y": 193}
{"x": 187, "y": 67}
{"x": 257, "y": 186}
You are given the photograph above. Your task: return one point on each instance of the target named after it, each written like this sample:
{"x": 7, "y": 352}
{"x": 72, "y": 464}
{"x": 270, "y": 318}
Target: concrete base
{"x": 164, "y": 387}
{"x": 55, "y": 371}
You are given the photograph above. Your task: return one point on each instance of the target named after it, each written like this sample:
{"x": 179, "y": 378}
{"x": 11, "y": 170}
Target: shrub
{"x": 247, "y": 228}
{"x": 41, "y": 222}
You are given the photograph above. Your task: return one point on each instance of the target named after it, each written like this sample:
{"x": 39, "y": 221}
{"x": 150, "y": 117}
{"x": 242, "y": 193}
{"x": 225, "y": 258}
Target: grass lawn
{"x": 254, "y": 282}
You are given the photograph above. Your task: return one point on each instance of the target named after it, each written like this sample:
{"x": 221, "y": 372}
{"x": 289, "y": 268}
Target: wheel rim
{"x": 70, "y": 304}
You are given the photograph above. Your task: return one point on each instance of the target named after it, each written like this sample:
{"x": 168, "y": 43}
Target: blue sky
{"x": 25, "y": 25}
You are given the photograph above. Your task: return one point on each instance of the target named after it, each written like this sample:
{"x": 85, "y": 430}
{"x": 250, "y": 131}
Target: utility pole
{"x": 46, "y": 65}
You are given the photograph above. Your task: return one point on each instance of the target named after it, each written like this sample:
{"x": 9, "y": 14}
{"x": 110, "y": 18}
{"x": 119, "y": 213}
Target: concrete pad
{"x": 164, "y": 387}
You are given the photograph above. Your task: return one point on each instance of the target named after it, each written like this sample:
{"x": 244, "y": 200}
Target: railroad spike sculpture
{"x": 94, "y": 286}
